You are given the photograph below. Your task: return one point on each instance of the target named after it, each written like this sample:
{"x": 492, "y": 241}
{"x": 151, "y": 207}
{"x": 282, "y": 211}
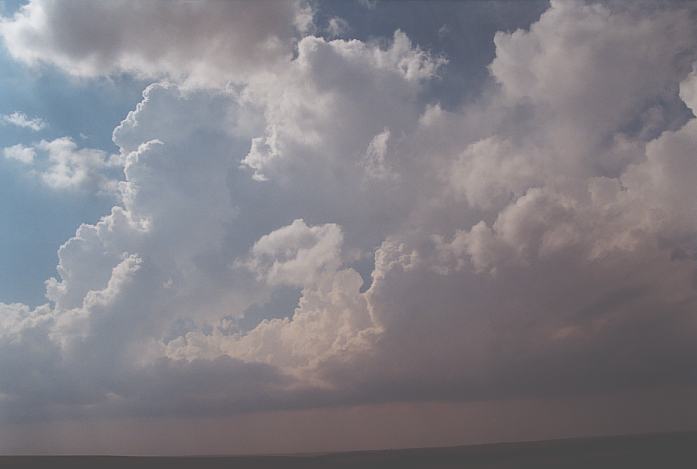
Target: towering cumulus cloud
{"x": 539, "y": 240}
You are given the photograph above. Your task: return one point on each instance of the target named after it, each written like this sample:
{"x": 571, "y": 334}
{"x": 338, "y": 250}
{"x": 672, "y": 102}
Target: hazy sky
{"x": 292, "y": 226}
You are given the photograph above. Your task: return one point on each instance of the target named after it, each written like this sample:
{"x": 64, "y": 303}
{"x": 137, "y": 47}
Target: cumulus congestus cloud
{"x": 539, "y": 240}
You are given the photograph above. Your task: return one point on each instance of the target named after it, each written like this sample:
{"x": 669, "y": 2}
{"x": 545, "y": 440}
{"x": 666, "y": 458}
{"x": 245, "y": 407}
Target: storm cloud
{"x": 537, "y": 240}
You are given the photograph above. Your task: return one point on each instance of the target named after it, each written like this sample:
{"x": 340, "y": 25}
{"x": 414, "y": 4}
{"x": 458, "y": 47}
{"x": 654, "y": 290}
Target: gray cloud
{"x": 203, "y": 44}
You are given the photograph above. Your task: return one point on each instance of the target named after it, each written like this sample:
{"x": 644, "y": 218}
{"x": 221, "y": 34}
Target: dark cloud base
{"x": 674, "y": 451}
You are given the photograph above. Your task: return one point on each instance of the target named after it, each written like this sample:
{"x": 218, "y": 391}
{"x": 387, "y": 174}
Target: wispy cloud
{"x": 61, "y": 164}
{"x": 19, "y": 153}
{"x": 20, "y": 119}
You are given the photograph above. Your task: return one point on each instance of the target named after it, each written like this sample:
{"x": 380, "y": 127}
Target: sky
{"x": 236, "y": 227}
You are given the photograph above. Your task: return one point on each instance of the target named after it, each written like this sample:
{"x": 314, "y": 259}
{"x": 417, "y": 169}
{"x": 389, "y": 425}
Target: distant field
{"x": 665, "y": 451}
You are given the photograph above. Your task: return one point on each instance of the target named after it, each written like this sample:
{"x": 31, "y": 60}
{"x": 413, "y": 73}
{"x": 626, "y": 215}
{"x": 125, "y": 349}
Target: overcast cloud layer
{"x": 297, "y": 225}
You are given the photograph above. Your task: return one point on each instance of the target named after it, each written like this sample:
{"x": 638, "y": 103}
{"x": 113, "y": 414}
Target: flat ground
{"x": 664, "y": 451}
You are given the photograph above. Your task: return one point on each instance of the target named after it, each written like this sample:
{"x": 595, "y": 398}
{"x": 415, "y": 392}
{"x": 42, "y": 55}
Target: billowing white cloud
{"x": 539, "y": 240}
{"x": 20, "y": 119}
{"x": 332, "y": 84}
{"x": 491, "y": 173}
{"x": 296, "y": 254}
